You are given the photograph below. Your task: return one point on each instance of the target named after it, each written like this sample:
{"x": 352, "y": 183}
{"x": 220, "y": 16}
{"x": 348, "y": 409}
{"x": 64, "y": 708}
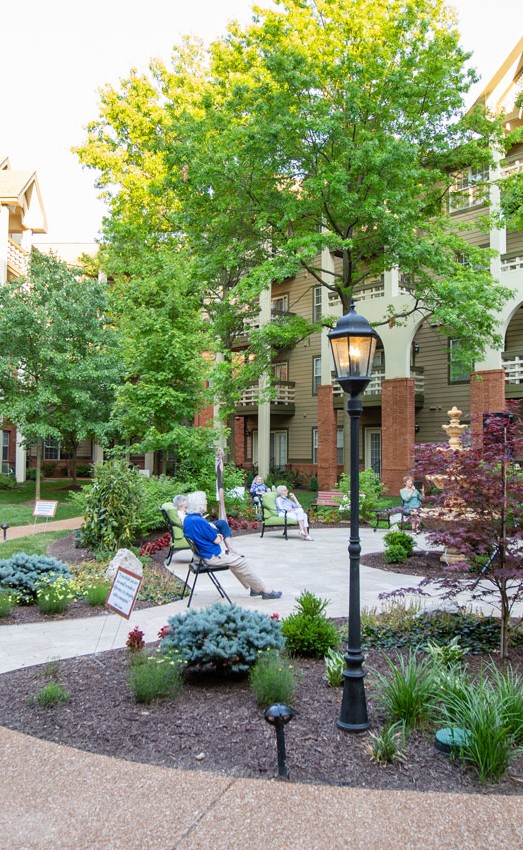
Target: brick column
{"x": 239, "y": 440}
{"x": 398, "y": 414}
{"x": 487, "y": 395}
{"x": 327, "y": 466}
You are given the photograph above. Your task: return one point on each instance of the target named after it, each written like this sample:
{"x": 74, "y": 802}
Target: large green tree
{"x": 58, "y": 368}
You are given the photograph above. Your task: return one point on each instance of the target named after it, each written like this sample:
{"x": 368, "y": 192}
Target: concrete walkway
{"x": 58, "y": 798}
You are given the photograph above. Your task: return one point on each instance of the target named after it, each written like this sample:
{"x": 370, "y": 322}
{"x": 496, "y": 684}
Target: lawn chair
{"x": 199, "y": 566}
{"x": 271, "y": 518}
{"x": 172, "y": 520}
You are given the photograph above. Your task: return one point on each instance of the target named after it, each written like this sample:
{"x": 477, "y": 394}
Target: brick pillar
{"x": 327, "y": 466}
{"x": 239, "y": 440}
{"x": 398, "y": 414}
{"x": 487, "y": 395}
{"x": 204, "y": 418}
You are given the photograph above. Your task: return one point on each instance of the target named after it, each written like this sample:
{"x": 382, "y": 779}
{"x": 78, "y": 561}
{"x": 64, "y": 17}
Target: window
{"x": 316, "y": 374}
{"x": 316, "y": 303}
{"x": 459, "y": 372}
{"x": 280, "y": 371}
{"x": 5, "y": 451}
{"x": 468, "y": 189}
{"x": 280, "y": 304}
{"x": 51, "y": 448}
{"x": 315, "y": 445}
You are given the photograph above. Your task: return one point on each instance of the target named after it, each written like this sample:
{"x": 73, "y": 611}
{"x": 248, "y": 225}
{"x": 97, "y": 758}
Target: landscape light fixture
{"x": 353, "y": 342}
{"x": 278, "y": 715}
{"x": 4, "y": 526}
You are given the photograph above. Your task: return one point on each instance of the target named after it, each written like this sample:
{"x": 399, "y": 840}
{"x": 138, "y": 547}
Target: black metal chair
{"x": 178, "y": 541}
{"x": 199, "y": 566}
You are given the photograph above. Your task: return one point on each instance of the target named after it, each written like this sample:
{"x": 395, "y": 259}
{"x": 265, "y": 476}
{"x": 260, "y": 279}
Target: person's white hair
{"x": 179, "y": 500}
{"x": 196, "y": 502}
{"x": 280, "y": 489}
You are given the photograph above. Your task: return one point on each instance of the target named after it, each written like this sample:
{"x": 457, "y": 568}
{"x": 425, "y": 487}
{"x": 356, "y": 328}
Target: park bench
{"x": 328, "y": 499}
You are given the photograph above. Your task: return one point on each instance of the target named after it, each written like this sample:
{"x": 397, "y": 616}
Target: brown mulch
{"x": 215, "y": 724}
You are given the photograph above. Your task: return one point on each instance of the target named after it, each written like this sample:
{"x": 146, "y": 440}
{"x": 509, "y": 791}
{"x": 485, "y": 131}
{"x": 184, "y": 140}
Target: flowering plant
{"x": 164, "y": 631}
{"x": 135, "y": 641}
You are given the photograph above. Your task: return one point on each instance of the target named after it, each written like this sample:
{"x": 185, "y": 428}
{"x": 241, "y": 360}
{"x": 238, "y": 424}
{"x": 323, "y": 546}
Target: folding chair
{"x": 199, "y": 566}
{"x": 178, "y": 541}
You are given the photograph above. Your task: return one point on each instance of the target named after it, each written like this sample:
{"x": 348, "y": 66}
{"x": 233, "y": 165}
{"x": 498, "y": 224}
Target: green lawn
{"x": 16, "y": 505}
{"x": 33, "y": 544}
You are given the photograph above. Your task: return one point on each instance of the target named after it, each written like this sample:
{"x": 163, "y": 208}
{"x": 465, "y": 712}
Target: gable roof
{"x": 500, "y": 93}
{"x": 20, "y": 190}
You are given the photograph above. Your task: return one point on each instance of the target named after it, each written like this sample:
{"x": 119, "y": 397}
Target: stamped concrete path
{"x": 57, "y": 798}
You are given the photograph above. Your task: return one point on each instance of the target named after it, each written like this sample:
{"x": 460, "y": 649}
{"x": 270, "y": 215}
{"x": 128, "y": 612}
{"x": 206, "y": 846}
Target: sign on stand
{"x": 123, "y": 593}
{"x": 45, "y": 508}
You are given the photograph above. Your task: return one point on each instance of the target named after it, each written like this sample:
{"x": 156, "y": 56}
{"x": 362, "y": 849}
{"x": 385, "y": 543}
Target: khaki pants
{"x": 240, "y": 569}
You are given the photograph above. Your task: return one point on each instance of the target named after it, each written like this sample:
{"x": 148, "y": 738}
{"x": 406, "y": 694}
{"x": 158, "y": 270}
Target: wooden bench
{"x": 328, "y": 499}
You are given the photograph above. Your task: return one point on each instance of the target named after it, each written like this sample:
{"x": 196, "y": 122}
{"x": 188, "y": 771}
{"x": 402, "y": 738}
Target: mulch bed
{"x": 215, "y": 724}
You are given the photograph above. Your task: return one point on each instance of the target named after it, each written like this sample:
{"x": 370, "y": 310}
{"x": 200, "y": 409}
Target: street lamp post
{"x": 353, "y": 344}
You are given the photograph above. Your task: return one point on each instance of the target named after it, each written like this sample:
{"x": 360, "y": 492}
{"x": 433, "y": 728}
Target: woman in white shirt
{"x": 288, "y": 503}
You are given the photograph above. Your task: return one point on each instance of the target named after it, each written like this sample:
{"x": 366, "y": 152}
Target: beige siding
{"x": 514, "y": 335}
{"x": 440, "y": 395}
{"x": 514, "y": 244}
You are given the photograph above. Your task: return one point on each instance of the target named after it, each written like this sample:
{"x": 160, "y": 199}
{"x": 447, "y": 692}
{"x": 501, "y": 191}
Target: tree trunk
{"x": 39, "y": 446}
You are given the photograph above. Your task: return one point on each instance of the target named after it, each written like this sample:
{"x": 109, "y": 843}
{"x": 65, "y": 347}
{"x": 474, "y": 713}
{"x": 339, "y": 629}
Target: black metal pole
{"x": 353, "y": 715}
{"x": 280, "y": 743}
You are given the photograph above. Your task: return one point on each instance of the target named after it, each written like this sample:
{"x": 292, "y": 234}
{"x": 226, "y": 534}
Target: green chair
{"x": 270, "y": 517}
{"x": 172, "y": 520}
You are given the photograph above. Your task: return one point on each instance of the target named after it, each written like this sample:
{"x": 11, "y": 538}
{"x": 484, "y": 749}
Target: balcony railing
{"x": 514, "y": 264}
{"x": 375, "y": 386}
{"x": 17, "y": 257}
{"x": 285, "y": 395}
{"x": 513, "y": 366}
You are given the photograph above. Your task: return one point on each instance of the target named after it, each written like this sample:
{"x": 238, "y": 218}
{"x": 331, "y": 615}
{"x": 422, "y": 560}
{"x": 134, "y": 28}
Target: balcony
{"x": 372, "y": 395}
{"x": 253, "y": 323}
{"x": 513, "y": 366}
{"x": 282, "y": 403}
{"x": 17, "y": 258}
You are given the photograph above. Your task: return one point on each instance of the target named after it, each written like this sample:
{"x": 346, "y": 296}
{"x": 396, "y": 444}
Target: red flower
{"x": 164, "y": 631}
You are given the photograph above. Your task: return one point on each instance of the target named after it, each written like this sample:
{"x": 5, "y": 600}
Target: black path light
{"x": 353, "y": 344}
{"x": 4, "y": 526}
{"x": 278, "y": 715}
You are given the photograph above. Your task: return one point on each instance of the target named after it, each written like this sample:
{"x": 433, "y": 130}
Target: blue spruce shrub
{"x": 24, "y": 573}
{"x": 228, "y": 636}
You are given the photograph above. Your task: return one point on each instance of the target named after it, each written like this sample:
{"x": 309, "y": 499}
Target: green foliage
{"x": 111, "y": 506}
{"x": 509, "y": 690}
{"x": 308, "y": 631}
{"x": 155, "y": 677}
{"x": 7, "y": 602}
{"x": 386, "y": 746}
{"x": 478, "y": 709}
{"x": 51, "y": 694}
{"x": 273, "y": 679}
{"x": 155, "y": 491}
{"x": 226, "y": 636}
{"x": 84, "y": 470}
{"x": 98, "y": 593}
{"x": 372, "y": 491}
{"x": 395, "y": 554}
{"x": 477, "y": 634}
{"x": 7, "y": 482}
{"x": 335, "y": 665}
{"x": 400, "y": 539}
{"x": 25, "y": 573}
{"x": 53, "y": 594}
{"x": 446, "y": 655}
{"x": 408, "y": 693}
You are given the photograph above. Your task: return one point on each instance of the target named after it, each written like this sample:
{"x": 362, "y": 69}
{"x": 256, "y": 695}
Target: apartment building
{"x": 417, "y": 376}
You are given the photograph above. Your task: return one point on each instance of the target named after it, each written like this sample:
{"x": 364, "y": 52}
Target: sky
{"x": 56, "y": 55}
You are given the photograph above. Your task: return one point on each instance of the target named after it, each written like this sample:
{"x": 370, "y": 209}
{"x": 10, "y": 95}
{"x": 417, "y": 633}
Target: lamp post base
{"x": 353, "y": 714}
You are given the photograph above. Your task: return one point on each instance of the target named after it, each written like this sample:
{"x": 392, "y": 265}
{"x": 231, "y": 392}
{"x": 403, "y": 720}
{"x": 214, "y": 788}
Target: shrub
{"x": 226, "y": 636}
{"x": 446, "y": 655}
{"x": 111, "y": 506}
{"x": 308, "y": 632}
{"x": 509, "y": 689}
{"x": 395, "y": 554}
{"x": 155, "y": 677}
{"x": 399, "y": 538}
{"x": 24, "y": 573}
{"x": 53, "y": 594}
{"x": 402, "y": 627}
{"x": 7, "y": 482}
{"x": 51, "y": 694}
{"x": 372, "y": 491}
{"x": 408, "y": 695}
{"x": 272, "y": 679}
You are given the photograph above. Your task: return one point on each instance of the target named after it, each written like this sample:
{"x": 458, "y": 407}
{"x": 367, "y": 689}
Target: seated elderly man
{"x": 208, "y": 543}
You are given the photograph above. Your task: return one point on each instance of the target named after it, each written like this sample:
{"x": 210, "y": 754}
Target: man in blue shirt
{"x": 208, "y": 542}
